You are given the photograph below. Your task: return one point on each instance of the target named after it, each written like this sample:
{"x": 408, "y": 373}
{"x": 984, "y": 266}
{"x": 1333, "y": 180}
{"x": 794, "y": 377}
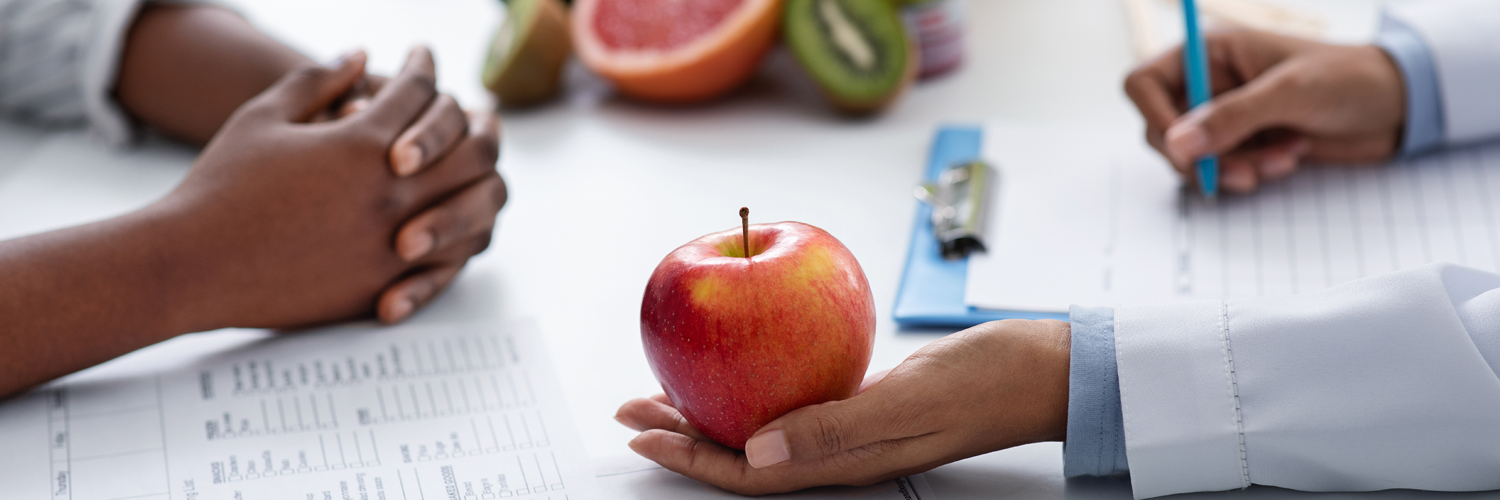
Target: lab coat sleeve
{"x": 1461, "y": 35}
{"x": 1385, "y": 382}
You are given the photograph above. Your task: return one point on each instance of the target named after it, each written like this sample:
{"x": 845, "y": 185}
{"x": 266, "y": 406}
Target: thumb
{"x": 812, "y": 433}
{"x": 1229, "y": 119}
{"x": 305, "y": 91}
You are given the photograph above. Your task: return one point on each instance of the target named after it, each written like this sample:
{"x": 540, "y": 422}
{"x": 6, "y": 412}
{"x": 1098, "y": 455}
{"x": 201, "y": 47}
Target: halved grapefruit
{"x": 676, "y": 51}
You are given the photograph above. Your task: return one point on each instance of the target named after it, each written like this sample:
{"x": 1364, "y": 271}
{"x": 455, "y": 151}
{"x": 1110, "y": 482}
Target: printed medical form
{"x": 1095, "y": 217}
{"x": 404, "y": 413}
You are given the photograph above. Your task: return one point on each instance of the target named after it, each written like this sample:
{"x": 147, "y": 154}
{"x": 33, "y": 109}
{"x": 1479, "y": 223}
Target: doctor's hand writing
{"x": 1277, "y": 101}
{"x": 994, "y": 386}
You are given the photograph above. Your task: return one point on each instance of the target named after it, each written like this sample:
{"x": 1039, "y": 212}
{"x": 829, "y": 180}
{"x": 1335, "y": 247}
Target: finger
{"x": 871, "y": 380}
{"x": 646, "y": 414}
{"x": 360, "y": 96}
{"x": 473, "y": 158}
{"x": 813, "y": 433}
{"x": 308, "y": 90}
{"x": 1155, "y": 88}
{"x": 463, "y": 219}
{"x": 403, "y": 99}
{"x": 1234, "y": 116}
{"x": 439, "y": 128}
{"x": 1281, "y": 160}
{"x": 720, "y": 466}
{"x": 1237, "y": 175}
{"x": 663, "y": 399}
{"x": 1245, "y": 169}
{"x": 398, "y": 301}
{"x": 703, "y": 460}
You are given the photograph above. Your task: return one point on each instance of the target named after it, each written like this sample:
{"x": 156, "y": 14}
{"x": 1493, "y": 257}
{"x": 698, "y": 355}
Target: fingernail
{"x": 400, "y": 309}
{"x": 767, "y": 449}
{"x": 1187, "y": 141}
{"x": 1276, "y": 166}
{"x": 629, "y": 423}
{"x": 408, "y": 159}
{"x": 416, "y": 246}
{"x": 1238, "y": 179}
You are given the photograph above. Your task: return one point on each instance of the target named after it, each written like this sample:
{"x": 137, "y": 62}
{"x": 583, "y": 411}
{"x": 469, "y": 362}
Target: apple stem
{"x": 745, "y": 227}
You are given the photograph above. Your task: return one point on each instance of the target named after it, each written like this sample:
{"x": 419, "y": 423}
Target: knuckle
{"x": 395, "y": 202}
{"x": 481, "y": 242}
{"x": 306, "y": 74}
{"x": 828, "y": 434}
{"x": 450, "y": 109}
{"x": 488, "y": 148}
{"x": 742, "y": 481}
{"x": 362, "y": 140}
{"x": 420, "y": 83}
{"x": 1223, "y": 116}
{"x": 1136, "y": 81}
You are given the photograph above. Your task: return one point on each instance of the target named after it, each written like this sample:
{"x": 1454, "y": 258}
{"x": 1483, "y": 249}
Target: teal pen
{"x": 1195, "y": 60}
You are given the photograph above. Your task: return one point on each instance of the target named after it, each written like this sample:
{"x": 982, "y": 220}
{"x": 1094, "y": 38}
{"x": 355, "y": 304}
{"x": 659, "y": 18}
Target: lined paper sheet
{"x": 1095, "y": 217}
{"x": 406, "y": 412}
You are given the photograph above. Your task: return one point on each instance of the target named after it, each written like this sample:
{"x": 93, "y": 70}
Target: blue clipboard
{"x": 932, "y": 289}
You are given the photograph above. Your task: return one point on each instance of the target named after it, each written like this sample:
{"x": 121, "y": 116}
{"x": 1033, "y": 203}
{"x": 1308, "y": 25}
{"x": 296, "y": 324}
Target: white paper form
{"x": 408, "y": 412}
{"x": 635, "y": 478}
{"x": 1096, "y": 218}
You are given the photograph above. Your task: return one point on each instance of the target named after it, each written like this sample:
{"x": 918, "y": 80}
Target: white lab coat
{"x": 1385, "y": 382}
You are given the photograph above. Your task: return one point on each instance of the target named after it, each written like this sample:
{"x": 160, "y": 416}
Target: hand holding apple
{"x": 738, "y": 339}
{"x": 994, "y": 386}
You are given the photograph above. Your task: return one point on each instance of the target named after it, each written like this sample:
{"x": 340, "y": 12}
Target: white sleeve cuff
{"x": 1179, "y": 399}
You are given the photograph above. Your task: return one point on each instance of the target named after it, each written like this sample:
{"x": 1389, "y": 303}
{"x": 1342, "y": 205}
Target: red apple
{"x": 739, "y": 341}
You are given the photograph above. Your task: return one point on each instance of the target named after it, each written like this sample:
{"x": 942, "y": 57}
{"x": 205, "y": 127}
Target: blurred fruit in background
{"x": 862, "y": 54}
{"x": 674, "y": 51}
{"x": 526, "y": 58}
{"x": 938, "y": 26}
{"x": 858, "y": 51}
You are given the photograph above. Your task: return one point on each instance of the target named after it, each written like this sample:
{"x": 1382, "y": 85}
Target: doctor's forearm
{"x": 186, "y": 68}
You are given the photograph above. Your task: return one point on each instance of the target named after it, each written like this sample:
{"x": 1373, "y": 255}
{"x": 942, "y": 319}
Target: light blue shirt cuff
{"x": 1424, "y": 100}
{"x": 1095, "y": 445}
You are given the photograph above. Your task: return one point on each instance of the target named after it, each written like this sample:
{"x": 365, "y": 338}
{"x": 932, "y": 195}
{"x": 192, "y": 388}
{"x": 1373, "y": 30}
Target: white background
{"x": 602, "y": 188}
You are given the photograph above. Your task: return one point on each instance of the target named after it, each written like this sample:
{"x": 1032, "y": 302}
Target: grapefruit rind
{"x": 700, "y": 70}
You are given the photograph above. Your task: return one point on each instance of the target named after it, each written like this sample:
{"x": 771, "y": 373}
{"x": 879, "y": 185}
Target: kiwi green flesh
{"x": 855, "y": 49}
{"x": 520, "y": 16}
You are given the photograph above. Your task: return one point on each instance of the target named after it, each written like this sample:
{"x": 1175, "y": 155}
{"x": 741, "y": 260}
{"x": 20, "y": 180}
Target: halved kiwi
{"x": 857, "y": 51}
{"x": 526, "y": 58}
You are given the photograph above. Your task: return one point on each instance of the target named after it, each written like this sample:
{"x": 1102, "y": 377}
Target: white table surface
{"x": 602, "y": 188}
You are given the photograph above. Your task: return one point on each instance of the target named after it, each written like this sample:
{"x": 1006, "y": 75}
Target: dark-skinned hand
{"x": 1278, "y": 101}
{"x": 994, "y": 386}
{"x": 307, "y": 222}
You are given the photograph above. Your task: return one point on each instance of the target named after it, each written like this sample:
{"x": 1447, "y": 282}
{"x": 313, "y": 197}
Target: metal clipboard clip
{"x": 959, "y": 200}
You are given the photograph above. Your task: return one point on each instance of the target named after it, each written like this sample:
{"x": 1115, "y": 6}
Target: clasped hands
{"x": 332, "y": 195}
